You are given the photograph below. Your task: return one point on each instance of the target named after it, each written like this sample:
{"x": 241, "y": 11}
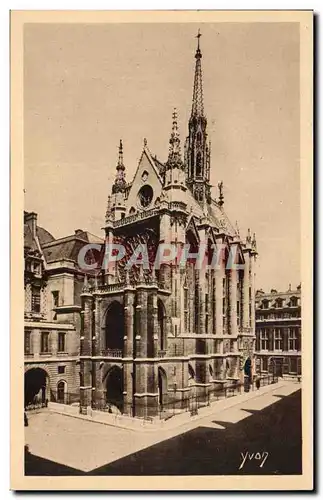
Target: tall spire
{"x": 197, "y": 105}
{"x": 120, "y": 181}
{"x": 197, "y": 151}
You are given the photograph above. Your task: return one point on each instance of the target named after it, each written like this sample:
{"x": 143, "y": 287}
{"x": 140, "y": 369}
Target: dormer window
{"x": 279, "y": 303}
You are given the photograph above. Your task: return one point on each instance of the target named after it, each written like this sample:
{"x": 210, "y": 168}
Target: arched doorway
{"x": 114, "y": 330}
{"x": 114, "y": 389}
{"x": 161, "y": 325}
{"x": 61, "y": 391}
{"x": 162, "y": 386}
{"x": 36, "y": 386}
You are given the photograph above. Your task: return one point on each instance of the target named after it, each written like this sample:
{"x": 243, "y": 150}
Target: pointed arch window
{"x": 198, "y": 164}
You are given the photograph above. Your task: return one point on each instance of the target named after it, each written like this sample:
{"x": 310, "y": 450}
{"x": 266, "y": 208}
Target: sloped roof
{"x": 216, "y": 215}
{"x": 44, "y": 236}
{"x": 158, "y": 163}
{"x": 69, "y": 247}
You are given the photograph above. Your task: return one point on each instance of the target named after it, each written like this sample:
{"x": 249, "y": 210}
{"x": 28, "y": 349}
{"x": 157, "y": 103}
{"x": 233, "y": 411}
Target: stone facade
{"x": 53, "y": 283}
{"x": 279, "y": 332}
{"x": 161, "y": 335}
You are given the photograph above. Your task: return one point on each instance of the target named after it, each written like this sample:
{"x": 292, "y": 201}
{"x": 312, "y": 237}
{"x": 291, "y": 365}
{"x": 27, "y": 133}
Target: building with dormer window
{"x": 279, "y": 332}
{"x": 53, "y": 283}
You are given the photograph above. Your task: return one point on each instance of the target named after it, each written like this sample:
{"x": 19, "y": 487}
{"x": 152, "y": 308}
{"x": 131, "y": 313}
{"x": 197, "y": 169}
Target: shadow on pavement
{"x": 275, "y": 430}
{"x": 37, "y": 466}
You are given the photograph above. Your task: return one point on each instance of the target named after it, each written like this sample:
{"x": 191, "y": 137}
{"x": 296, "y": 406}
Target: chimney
{"x": 31, "y": 220}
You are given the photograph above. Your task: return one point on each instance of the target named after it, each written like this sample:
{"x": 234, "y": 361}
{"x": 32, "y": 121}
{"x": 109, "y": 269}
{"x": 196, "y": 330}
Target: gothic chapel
{"x": 154, "y": 338}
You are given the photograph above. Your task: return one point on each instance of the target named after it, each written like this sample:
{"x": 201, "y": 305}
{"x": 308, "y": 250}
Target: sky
{"x": 86, "y": 86}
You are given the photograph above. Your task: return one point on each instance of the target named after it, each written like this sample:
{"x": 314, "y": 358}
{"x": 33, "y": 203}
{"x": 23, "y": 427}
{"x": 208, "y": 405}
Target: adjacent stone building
{"x": 279, "y": 332}
{"x": 150, "y": 337}
{"x": 53, "y": 283}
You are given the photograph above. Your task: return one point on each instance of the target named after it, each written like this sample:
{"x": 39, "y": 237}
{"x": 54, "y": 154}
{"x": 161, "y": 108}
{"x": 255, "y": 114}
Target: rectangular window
{"x": 265, "y": 364}
{"x": 278, "y": 339}
{"x": 27, "y": 342}
{"x": 61, "y": 369}
{"x": 206, "y": 324}
{"x": 61, "y": 341}
{"x": 264, "y": 341}
{"x": 292, "y": 339}
{"x": 35, "y": 299}
{"x": 44, "y": 342}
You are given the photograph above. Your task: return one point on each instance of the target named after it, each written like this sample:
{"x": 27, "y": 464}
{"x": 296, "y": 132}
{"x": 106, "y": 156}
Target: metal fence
{"x": 171, "y": 405}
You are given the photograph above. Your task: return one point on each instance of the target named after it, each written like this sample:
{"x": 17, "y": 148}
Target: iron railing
{"x": 112, "y": 353}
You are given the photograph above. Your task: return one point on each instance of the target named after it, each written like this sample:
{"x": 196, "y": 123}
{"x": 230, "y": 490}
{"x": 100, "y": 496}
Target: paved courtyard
{"x": 263, "y": 427}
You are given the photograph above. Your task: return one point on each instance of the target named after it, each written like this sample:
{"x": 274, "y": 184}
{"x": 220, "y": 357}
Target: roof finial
{"x": 145, "y": 142}
{"x": 237, "y": 229}
{"x": 248, "y": 238}
{"x": 174, "y": 155}
{"x": 221, "y": 197}
{"x": 85, "y": 284}
{"x": 120, "y": 160}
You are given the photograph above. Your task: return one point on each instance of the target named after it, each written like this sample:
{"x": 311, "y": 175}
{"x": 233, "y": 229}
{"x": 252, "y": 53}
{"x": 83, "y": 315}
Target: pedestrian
{"x": 25, "y": 419}
{"x": 258, "y": 383}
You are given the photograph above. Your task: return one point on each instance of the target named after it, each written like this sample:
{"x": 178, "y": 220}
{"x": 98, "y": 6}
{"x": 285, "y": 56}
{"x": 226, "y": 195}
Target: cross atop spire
{"x": 198, "y": 36}
{"x": 197, "y": 105}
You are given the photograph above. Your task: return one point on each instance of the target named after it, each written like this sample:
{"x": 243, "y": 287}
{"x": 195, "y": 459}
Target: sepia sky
{"x": 87, "y": 86}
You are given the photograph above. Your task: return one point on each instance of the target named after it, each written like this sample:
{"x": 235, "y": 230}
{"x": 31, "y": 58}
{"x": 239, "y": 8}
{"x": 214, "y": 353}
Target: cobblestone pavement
{"x": 55, "y": 440}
